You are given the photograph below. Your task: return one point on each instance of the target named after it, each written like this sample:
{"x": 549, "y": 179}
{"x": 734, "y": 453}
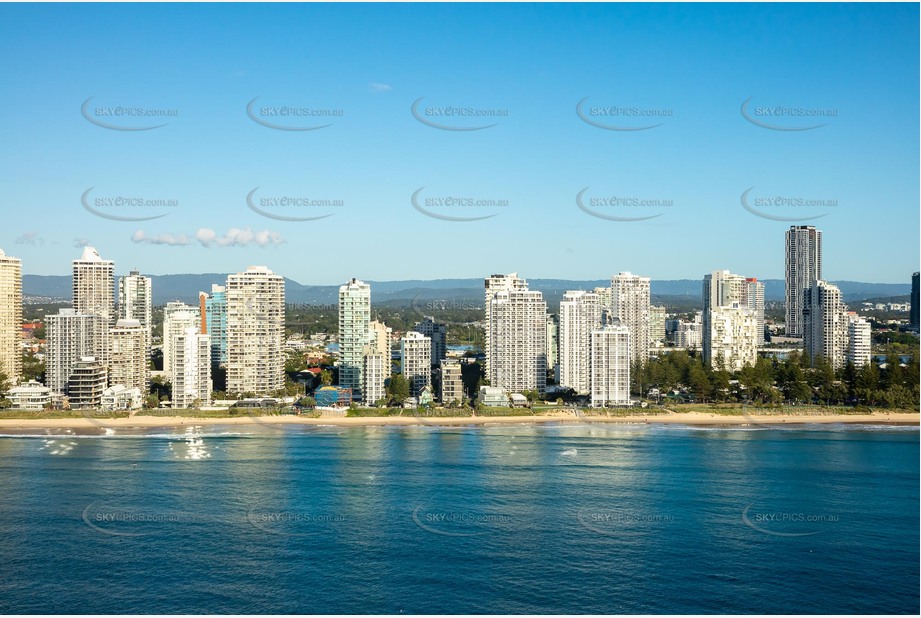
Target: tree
{"x": 326, "y": 377}
{"x": 398, "y": 388}
{"x": 152, "y": 401}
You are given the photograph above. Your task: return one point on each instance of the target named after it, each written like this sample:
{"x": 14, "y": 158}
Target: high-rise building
{"x": 354, "y": 333}
{"x": 416, "y": 359}
{"x": 10, "y": 318}
{"x": 730, "y": 335}
{"x": 610, "y": 372}
{"x": 87, "y": 382}
{"x": 553, "y": 346}
{"x": 517, "y": 336}
{"x": 135, "y": 299}
{"x": 825, "y": 324}
{"x": 255, "y": 331}
{"x": 452, "y": 382}
{"x": 94, "y": 285}
{"x": 913, "y": 316}
{"x": 438, "y": 333}
{"x": 630, "y": 305}
{"x": 753, "y": 298}
{"x": 129, "y": 362}
{"x": 656, "y": 324}
{"x": 858, "y": 340}
{"x": 580, "y": 315}
{"x": 71, "y": 337}
{"x": 190, "y": 368}
{"x": 177, "y": 318}
{"x": 380, "y": 338}
{"x": 213, "y": 307}
{"x": 493, "y": 284}
{"x": 803, "y": 255}
{"x": 689, "y": 335}
{"x": 374, "y": 374}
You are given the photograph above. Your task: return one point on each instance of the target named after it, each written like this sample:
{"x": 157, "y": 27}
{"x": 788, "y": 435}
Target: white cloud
{"x": 30, "y": 238}
{"x": 206, "y": 237}
{"x": 79, "y": 243}
{"x": 376, "y": 87}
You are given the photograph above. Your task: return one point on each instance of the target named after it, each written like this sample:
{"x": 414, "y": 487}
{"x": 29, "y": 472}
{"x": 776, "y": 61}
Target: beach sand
{"x": 680, "y": 418}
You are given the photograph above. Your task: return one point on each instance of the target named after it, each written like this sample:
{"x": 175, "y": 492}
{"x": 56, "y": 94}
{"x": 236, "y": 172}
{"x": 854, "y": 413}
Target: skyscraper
{"x": 825, "y": 324}
{"x": 135, "y": 299}
{"x": 656, "y": 324}
{"x": 416, "y": 358}
{"x": 630, "y": 305}
{"x": 803, "y": 256}
{"x": 380, "y": 335}
{"x": 610, "y": 371}
{"x": 177, "y": 317}
{"x": 493, "y": 284}
{"x": 452, "y": 383}
{"x": 10, "y": 318}
{"x": 517, "y": 336}
{"x": 553, "y": 345}
{"x": 72, "y": 336}
{"x": 190, "y": 368}
{"x": 753, "y": 298}
{"x": 580, "y": 315}
{"x": 438, "y": 334}
{"x": 858, "y": 340}
{"x": 729, "y": 324}
{"x": 374, "y": 374}
{"x": 94, "y": 285}
{"x": 129, "y": 363}
{"x": 214, "y": 310}
{"x": 255, "y": 331}
{"x": 354, "y": 334}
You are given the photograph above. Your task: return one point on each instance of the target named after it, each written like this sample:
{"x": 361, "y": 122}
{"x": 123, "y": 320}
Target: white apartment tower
{"x": 493, "y": 284}
{"x": 10, "y": 318}
{"x": 135, "y": 299}
{"x": 71, "y": 337}
{"x": 437, "y": 332}
{"x": 354, "y": 334}
{"x": 373, "y": 374}
{"x": 656, "y": 324}
{"x": 255, "y": 331}
{"x": 753, "y": 298}
{"x": 190, "y": 368}
{"x": 610, "y": 372}
{"x": 380, "y": 336}
{"x": 803, "y": 256}
{"x": 129, "y": 363}
{"x": 177, "y": 318}
{"x": 517, "y": 339}
{"x": 416, "y": 358}
{"x": 630, "y": 305}
{"x": 730, "y": 335}
{"x": 580, "y": 315}
{"x": 94, "y": 285}
{"x": 825, "y": 324}
{"x": 858, "y": 340}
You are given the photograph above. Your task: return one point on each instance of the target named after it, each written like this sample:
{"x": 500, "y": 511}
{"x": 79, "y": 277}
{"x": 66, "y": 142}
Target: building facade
{"x": 72, "y": 336}
{"x": 517, "y": 336}
{"x": 255, "y": 331}
{"x": 803, "y": 261}
{"x": 859, "y": 339}
{"x": 11, "y": 318}
{"x": 416, "y": 359}
{"x": 135, "y": 300}
{"x": 825, "y": 324}
{"x": 354, "y": 333}
{"x": 630, "y": 305}
{"x": 213, "y": 307}
{"x": 580, "y": 315}
{"x": 452, "y": 383}
{"x": 437, "y": 332}
{"x": 610, "y": 366}
{"x": 190, "y": 368}
{"x": 94, "y": 285}
{"x": 129, "y": 362}
{"x": 729, "y": 335}
{"x": 374, "y": 374}
{"x": 493, "y": 284}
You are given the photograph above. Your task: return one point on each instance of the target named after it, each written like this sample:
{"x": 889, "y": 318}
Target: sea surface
{"x": 428, "y": 519}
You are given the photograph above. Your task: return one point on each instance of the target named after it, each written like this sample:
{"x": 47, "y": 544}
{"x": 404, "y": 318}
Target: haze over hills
{"x": 677, "y": 291}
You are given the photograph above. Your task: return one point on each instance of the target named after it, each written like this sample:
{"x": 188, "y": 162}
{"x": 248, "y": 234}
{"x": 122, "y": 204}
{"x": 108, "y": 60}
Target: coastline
{"x": 678, "y": 418}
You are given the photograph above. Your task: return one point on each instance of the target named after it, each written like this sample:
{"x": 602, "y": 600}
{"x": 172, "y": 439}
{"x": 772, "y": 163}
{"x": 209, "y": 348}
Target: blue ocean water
{"x": 514, "y": 519}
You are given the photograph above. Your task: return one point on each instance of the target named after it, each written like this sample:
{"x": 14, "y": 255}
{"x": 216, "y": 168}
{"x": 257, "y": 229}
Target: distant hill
{"x": 680, "y": 292}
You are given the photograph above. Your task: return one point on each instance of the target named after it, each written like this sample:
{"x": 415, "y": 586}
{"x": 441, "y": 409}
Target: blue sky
{"x": 856, "y": 65}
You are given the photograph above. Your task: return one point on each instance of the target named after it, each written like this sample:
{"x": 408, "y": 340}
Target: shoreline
{"x": 678, "y": 418}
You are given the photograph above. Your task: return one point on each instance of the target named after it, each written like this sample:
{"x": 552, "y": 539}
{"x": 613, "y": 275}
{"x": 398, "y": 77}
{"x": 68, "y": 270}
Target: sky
{"x": 441, "y": 141}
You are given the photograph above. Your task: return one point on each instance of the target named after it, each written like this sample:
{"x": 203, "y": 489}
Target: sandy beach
{"x": 682, "y": 418}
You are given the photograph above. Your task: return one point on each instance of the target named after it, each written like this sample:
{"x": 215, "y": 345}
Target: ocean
{"x": 426, "y": 519}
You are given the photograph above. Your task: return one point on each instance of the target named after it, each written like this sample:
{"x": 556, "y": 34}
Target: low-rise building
{"x": 30, "y": 395}
{"x": 120, "y": 397}
{"x": 492, "y": 397}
